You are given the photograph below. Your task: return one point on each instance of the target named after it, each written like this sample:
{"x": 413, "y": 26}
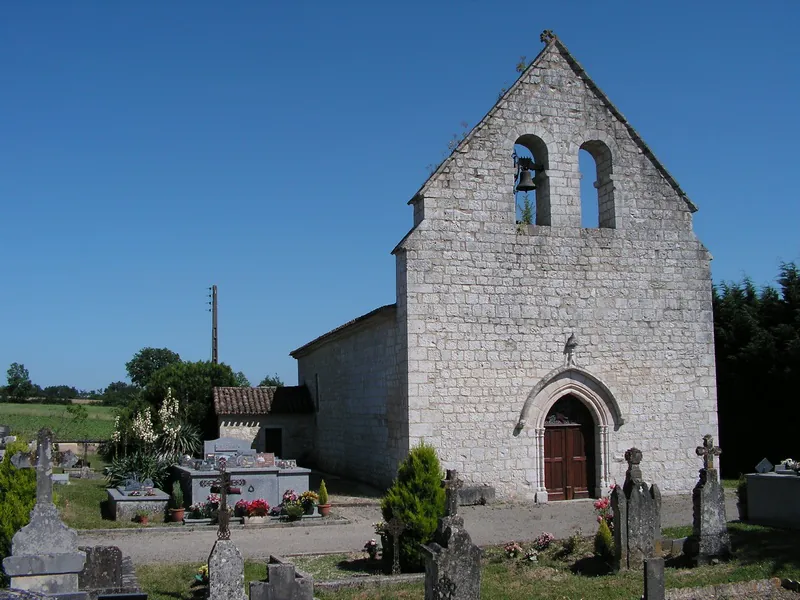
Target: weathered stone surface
{"x": 471, "y": 495}
{"x": 284, "y": 582}
{"x": 654, "y": 579}
{"x": 709, "y": 539}
{"x": 103, "y": 568}
{"x": 225, "y": 572}
{"x": 474, "y": 344}
{"x": 637, "y": 516}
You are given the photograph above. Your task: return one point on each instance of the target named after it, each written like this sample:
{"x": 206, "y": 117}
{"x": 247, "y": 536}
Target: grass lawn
{"x": 27, "y": 419}
{"x": 760, "y": 552}
{"x": 79, "y": 504}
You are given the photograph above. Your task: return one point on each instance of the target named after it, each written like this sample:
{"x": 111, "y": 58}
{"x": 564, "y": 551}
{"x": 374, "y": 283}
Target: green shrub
{"x": 323, "y": 492}
{"x": 177, "y": 495}
{"x": 143, "y": 464}
{"x": 741, "y": 489}
{"x": 604, "y": 542}
{"x": 17, "y": 497}
{"x": 417, "y": 498}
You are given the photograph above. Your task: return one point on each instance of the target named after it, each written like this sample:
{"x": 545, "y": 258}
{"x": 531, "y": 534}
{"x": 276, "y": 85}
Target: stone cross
{"x": 708, "y": 451}
{"x": 223, "y": 481}
{"x": 44, "y": 467}
{"x": 451, "y": 486}
{"x": 634, "y": 458}
{"x": 395, "y": 527}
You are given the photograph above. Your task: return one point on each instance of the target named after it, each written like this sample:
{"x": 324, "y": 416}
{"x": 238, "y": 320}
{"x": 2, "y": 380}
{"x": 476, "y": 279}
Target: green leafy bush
{"x": 604, "y": 542}
{"x": 142, "y": 463}
{"x": 17, "y": 497}
{"x": 177, "y": 495}
{"x": 417, "y": 498}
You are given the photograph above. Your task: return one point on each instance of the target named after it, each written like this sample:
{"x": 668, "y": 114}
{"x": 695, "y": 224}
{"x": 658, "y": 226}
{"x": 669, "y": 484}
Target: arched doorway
{"x": 569, "y": 450}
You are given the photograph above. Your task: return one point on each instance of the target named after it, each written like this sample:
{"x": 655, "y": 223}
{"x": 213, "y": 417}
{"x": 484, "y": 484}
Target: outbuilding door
{"x": 568, "y": 451}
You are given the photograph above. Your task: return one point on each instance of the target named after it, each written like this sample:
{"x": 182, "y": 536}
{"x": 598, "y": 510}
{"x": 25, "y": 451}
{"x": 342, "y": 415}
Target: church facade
{"x": 531, "y": 356}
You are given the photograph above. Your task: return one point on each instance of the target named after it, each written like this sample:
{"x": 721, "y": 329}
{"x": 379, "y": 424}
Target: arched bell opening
{"x": 570, "y": 450}
{"x": 531, "y": 185}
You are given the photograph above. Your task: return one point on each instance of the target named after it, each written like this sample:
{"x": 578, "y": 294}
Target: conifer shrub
{"x": 417, "y": 498}
{"x": 17, "y": 497}
{"x": 604, "y": 542}
{"x": 323, "y": 492}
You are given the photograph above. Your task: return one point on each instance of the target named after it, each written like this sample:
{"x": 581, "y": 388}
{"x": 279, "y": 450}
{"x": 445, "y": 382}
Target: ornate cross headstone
{"x": 223, "y": 482}
{"x": 451, "y": 486}
{"x": 708, "y": 451}
{"x": 395, "y": 527}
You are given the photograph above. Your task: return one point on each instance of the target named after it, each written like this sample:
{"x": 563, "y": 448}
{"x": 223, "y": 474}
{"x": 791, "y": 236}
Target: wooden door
{"x": 566, "y": 464}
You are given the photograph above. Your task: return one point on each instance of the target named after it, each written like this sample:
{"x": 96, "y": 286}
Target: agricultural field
{"x": 26, "y": 419}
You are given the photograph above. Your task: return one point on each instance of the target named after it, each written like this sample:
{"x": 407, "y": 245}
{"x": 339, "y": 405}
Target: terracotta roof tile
{"x": 294, "y": 399}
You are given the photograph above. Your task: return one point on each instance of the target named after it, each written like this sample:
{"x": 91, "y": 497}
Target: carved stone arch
{"x": 542, "y": 145}
{"x": 605, "y": 152}
{"x": 571, "y": 380}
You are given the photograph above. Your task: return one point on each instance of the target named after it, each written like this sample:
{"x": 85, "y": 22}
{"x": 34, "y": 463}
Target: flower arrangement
{"x": 258, "y": 508}
{"x": 371, "y": 548}
{"x": 604, "y": 512}
{"x": 532, "y": 555}
{"x": 240, "y": 508}
{"x": 379, "y": 528}
{"x": 513, "y": 549}
{"x": 543, "y": 541}
{"x": 289, "y": 497}
{"x": 309, "y": 498}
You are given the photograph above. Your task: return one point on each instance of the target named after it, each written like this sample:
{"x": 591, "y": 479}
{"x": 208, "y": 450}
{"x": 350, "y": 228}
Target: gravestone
{"x": 103, "y": 568}
{"x": 653, "y": 579}
{"x": 225, "y": 572}
{"x": 452, "y": 561}
{"x": 709, "y": 539}
{"x": 69, "y": 459}
{"x": 637, "y": 516}
{"x": 22, "y": 460}
{"x": 44, "y": 554}
{"x": 283, "y": 583}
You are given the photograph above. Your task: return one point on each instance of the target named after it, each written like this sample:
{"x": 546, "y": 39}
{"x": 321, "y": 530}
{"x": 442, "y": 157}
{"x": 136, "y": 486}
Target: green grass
{"x": 675, "y": 533}
{"x": 27, "y": 419}
{"x": 760, "y": 552}
{"x": 80, "y": 506}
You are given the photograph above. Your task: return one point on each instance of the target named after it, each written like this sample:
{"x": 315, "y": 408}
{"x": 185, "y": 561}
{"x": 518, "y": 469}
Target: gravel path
{"x": 494, "y": 524}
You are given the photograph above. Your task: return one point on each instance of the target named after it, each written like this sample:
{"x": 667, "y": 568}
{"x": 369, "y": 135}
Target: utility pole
{"x": 213, "y": 303}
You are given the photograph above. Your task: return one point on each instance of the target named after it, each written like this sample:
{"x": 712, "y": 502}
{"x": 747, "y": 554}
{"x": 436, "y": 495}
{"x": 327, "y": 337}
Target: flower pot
{"x": 324, "y": 509}
{"x": 142, "y": 520}
{"x": 176, "y": 514}
{"x": 255, "y": 520}
{"x": 308, "y": 509}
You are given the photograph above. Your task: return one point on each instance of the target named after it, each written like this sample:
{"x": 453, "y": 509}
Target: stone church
{"x": 531, "y": 356}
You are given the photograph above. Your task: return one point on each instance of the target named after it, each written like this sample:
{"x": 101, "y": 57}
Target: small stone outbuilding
{"x": 532, "y": 355}
{"x": 273, "y": 419}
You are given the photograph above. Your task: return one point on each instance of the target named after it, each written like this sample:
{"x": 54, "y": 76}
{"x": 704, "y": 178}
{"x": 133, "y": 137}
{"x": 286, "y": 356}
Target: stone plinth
{"x": 225, "y": 572}
{"x": 268, "y": 483}
{"x": 284, "y": 582}
{"x": 774, "y": 499}
{"x": 124, "y": 507}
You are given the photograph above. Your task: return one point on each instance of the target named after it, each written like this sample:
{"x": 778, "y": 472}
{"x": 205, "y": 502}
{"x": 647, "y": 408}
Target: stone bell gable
{"x": 486, "y": 305}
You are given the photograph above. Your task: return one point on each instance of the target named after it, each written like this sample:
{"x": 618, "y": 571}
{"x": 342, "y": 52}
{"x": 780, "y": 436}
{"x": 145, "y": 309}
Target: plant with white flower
{"x": 143, "y": 427}
{"x": 117, "y": 435}
{"x": 170, "y": 422}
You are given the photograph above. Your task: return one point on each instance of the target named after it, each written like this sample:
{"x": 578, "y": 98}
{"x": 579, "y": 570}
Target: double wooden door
{"x": 568, "y": 461}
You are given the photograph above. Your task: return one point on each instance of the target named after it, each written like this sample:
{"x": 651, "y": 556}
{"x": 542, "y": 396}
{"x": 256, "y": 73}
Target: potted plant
{"x": 323, "y": 506}
{"x": 177, "y": 510}
{"x": 741, "y": 494}
{"x": 309, "y": 500}
{"x": 257, "y": 512}
{"x": 294, "y": 510}
{"x": 142, "y": 517}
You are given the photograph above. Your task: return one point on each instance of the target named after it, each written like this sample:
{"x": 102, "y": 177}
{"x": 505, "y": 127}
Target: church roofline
{"x": 554, "y": 42}
{"x": 342, "y": 329}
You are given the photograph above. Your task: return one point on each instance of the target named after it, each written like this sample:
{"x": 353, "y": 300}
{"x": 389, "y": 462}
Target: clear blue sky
{"x": 149, "y": 149}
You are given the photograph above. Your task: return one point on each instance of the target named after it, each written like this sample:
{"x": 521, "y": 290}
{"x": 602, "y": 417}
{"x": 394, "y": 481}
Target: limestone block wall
{"x": 297, "y": 435}
{"x": 354, "y": 377}
{"x": 490, "y": 305}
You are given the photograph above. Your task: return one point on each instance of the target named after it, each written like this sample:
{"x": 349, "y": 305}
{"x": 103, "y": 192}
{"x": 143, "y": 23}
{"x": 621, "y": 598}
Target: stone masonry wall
{"x": 358, "y": 376}
{"x": 489, "y": 305}
{"x": 297, "y": 435}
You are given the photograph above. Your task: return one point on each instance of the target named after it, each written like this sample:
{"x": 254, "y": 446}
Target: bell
{"x": 526, "y": 183}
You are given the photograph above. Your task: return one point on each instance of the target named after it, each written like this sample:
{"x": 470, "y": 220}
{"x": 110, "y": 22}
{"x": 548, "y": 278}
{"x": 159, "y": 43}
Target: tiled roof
{"x": 294, "y": 399}
{"x": 382, "y": 311}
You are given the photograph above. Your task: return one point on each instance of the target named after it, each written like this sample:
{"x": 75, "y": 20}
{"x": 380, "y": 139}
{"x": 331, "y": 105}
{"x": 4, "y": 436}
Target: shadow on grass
{"x": 756, "y": 544}
{"x": 591, "y": 566}
{"x": 362, "y": 566}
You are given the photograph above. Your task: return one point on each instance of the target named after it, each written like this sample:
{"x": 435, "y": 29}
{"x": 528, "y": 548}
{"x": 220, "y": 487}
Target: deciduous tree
{"x": 147, "y": 361}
